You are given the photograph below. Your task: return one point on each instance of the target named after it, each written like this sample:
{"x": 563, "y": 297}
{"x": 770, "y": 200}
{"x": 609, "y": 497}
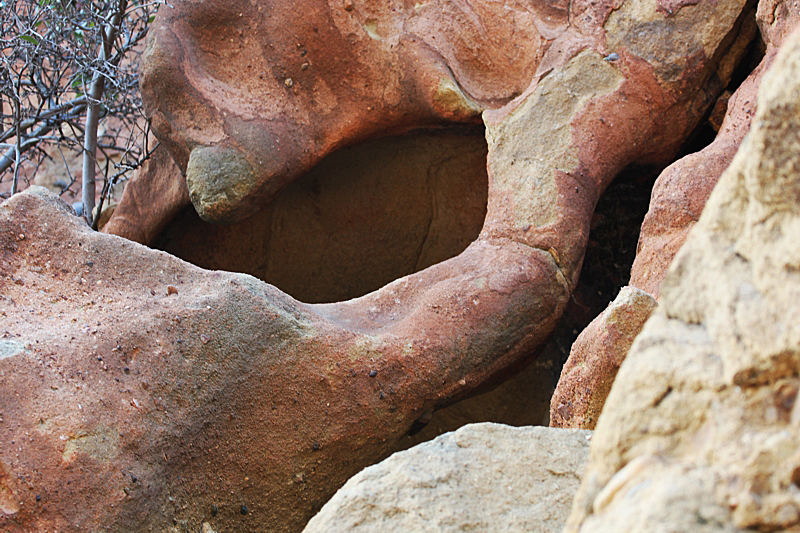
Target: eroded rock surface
{"x": 700, "y": 430}
{"x": 483, "y": 477}
{"x": 368, "y": 68}
{"x": 595, "y": 359}
{"x": 678, "y": 198}
{"x": 140, "y": 390}
{"x": 250, "y": 95}
{"x": 242, "y": 406}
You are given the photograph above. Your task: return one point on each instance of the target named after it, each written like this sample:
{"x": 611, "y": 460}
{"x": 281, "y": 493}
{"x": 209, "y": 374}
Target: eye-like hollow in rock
{"x": 361, "y": 218}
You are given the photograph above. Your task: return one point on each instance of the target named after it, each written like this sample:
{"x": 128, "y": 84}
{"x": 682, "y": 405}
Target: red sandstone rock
{"x": 127, "y": 405}
{"x": 260, "y": 92}
{"x": 700, "y": 430}
{"x": 247, "y": 96}
{"x": 678, "y": 198}
{"x": 152, "y": 198}
{"x": 595, "y": 358}
{"x": 258, "y": 406}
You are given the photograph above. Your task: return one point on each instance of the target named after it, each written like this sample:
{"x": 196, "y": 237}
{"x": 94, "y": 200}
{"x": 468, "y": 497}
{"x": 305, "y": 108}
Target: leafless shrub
{"x": 69, "y": 83}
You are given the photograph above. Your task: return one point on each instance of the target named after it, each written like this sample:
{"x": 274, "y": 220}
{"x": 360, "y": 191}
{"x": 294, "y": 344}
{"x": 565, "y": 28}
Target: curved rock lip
{"x": 142, "y": 390}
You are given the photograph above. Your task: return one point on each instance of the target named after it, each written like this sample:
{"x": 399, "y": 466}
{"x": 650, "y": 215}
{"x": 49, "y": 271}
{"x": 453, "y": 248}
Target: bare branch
{"x": 17, "y": 146}
{"x": 52, "y": 112}
{"x": 32, "y": 139}
{"x": 66, "y": 66}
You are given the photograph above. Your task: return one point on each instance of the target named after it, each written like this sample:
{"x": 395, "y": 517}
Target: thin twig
{"x": 8, "y": 159}
{"x": 45, "y": 115}
{"x": 17, "y": 144}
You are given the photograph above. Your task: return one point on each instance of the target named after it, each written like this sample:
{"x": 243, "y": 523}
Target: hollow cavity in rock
{"x": 360, "y": 219}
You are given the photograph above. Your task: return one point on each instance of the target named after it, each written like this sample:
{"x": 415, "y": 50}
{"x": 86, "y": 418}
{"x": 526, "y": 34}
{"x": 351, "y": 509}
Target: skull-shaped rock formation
{"x": 252, "y": 413}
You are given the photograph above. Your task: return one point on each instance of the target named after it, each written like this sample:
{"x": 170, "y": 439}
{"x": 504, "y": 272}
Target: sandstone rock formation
{"x": 140, "y": 390}
{"x": 483, "y": 477}
{"x": 682, "y": 189}
{"x": 244, "y": 112}
{"x": 267, "y": 102}
{"x": 700, "y": 430}
{"x": 595, "y": 359}
{"x": 678, "y": 198}
{"x": 243, "y": 406}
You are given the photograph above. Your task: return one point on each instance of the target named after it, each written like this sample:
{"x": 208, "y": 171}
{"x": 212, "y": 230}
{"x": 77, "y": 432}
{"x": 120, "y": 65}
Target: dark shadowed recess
{"x": 363, "y": 217}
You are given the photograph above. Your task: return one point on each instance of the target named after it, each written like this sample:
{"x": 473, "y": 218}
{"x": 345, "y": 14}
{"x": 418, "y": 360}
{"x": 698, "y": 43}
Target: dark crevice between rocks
{"x": 610, "y": 252}
{"x": 706, "y": 132}
{"x": 522, "y": 395}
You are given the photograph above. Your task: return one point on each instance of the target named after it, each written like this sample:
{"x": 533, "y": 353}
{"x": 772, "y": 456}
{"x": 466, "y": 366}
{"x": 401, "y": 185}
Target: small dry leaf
{"x": 172, "y": 289}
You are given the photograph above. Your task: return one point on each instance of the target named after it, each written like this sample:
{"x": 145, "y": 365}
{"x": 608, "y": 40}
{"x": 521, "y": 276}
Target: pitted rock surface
{"x": 141, "y": 390}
